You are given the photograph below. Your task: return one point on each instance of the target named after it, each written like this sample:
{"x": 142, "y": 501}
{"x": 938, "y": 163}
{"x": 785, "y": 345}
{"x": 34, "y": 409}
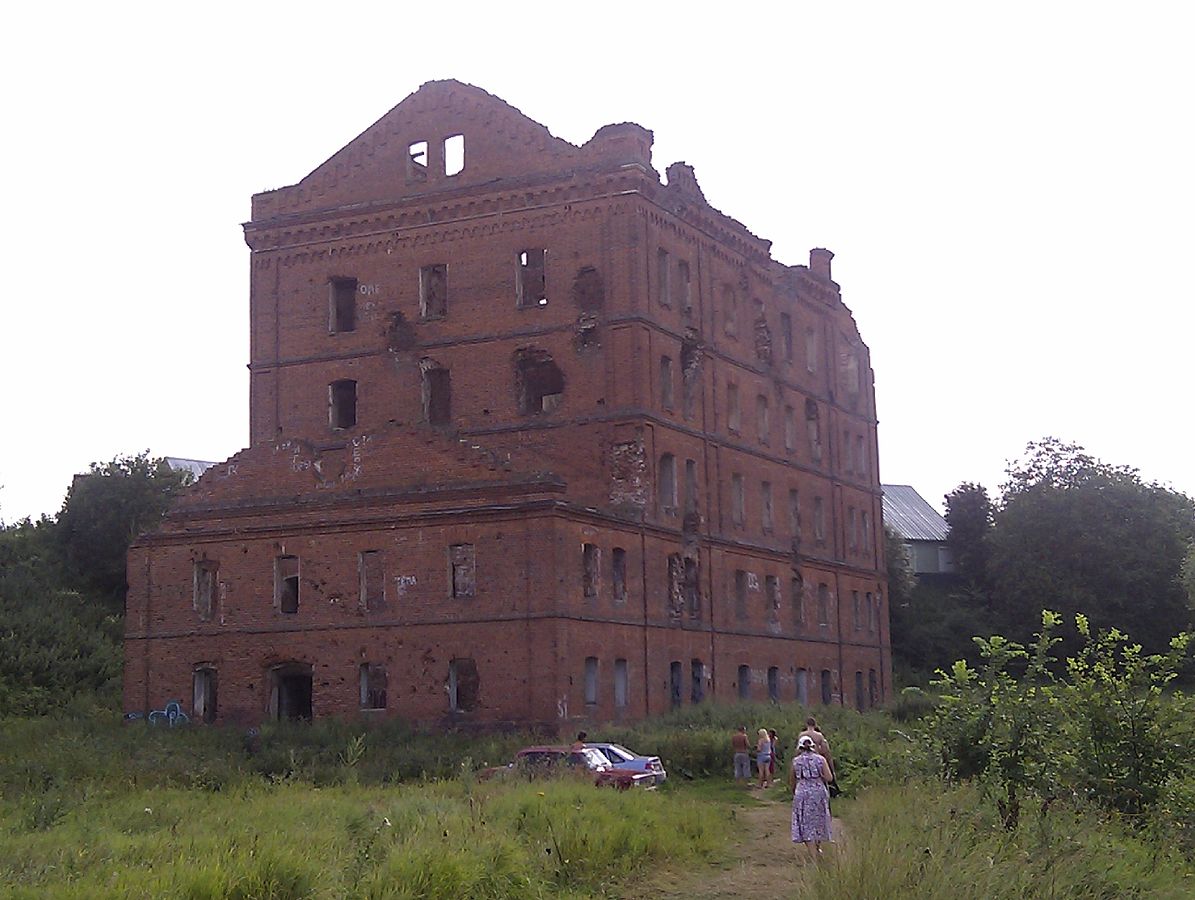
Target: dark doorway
{"x": 291, "y": 693}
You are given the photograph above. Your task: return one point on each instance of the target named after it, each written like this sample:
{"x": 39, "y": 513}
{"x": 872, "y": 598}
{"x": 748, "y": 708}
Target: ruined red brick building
{"x": 535, "y": 438}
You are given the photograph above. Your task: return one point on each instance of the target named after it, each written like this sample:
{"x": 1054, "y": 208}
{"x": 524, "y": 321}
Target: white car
{"x": 622, "y": 758}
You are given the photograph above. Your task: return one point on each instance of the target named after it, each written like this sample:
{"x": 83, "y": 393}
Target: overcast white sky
{"x": 1009, "y": 190}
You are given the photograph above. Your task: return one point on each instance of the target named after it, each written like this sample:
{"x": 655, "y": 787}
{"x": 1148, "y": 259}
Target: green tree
{"x": 970, "y": 514}
{"x": 1075, "y": 534}
{"x": 104, "y": 511}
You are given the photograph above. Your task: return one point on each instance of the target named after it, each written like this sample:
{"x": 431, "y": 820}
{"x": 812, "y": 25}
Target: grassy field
{"x": 91, "y": 808}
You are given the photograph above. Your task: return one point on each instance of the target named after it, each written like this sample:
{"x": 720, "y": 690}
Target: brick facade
{"x": 536, "y": 441}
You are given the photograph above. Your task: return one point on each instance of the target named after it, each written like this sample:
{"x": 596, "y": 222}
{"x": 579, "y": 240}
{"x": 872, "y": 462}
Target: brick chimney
{"x": 819, "y": 262}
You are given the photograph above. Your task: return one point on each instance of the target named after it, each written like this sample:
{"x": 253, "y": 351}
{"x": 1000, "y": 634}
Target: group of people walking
{"x": 810, "y": 775}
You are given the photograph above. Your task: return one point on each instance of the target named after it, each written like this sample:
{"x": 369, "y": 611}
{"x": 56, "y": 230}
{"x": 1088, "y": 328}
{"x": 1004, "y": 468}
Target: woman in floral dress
{"x": 808, "y": 776}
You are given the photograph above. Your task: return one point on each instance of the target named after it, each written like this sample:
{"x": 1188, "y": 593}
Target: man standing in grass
{"x": 742, "y": 755}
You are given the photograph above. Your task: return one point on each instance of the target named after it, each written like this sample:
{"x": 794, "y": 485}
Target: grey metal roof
{"x": 195, "y": 466}
{"x": 909, "y": 514}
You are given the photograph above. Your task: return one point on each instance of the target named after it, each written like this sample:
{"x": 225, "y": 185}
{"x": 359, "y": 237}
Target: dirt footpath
{"x": 764, "y": 862}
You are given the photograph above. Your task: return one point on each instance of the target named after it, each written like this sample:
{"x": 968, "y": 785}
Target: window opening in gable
{"x": 591, "y": 681}
{"x": 437, "y": 394}
{"x": 342, "y": 303}
{"x": 342, "y": 403}
{"x": 203, "y": 695}
{"x": 663, "y": 278}
{"x": 462, "y": 570}
{"x": 454, "y": 155}
{"x": 433, "y": 291}
{"x": 684, "y": 287}
{"x": 676, "y": 682}
{"x": 206, "y": 581}
{"x": 464, "y": 685}
{"x": 286, "y": 584}
{"x": 621, "y": 683}
{"x": 531, "y": 280}
{"x": 591, "y": 565}
{"x": 417, "y": 161}
{"x": 667, "y": 484}
{"x": 744, "y": 682}
{"x": 618, "y": 565}
{"x": 374, "y": 682}
{"x": 372, "y": 575}
{"x": 539, "y": 380}
{"x": 697, "y": 677}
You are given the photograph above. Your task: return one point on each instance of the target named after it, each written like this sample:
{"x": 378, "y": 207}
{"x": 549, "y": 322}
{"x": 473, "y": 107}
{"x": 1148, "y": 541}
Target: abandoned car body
{"x": 536, "y": 438}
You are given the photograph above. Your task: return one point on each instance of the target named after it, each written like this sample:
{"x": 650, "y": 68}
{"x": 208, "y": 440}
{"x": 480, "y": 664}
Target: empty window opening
{"x": 463, "y": 685}
{"x": 591, "y": 565}
{"x": 684, "y": 287}
{"x": 814, "y": 427}
{"x": 865, "y": 531}
{"x": 852, "y": 529}
{"x": 827, "y": 688}
{"x": 666, "y": 393}
{"x": 462, "y": 565}
{"x": 857, "y": 603}
{"x": 738, "y": 500}
{"x": 373, "y": 683}
{"x": 666, "y": 486}
{"x": 620, "y": 683}
{"x": 819, "y": 520}
{"x": 797, "y": 598}
{"x": 823, "y": 605}
{"x": 591, "y": 681}
{"x": 810, "y": 350}
{"x": 766, "y": 517}
{"x": 433, "y": 291}
{"x": 290, "y": 692}
{"x": 733, "y": 412}
{"x": 206, "y": 580}
{"x": 540, "y": 382}
{"x": 786, "y": 336}
{"x": 848, "y": 456}
{"x": 203, "y": 695}
{"x": 730, "y": 310}
{"x": 774, "y": 684}
{"x": 772, "y": 593}
{"x": 531, "y": 282}
{"x": 437, "y": 393}
{"x": 589, "y": 293}
{"x": 790, "y": 428}
{"x": 762, "y": 424}
{"x": 676, "y": 683}
{"x": 803, "y": 686}
{"x": 873, "y": 688}
{"x": 740, "y": 594}
{"x": 417, "y": 161}
{"x": 342, "y": 312}
{"x": 690, "y": 487}
{"x": 454, "y": 155}
{"x": 663, "y": 278}
{"x": 342, "y": 403}
{"x": 697, "y": 676}
{"x": 860, "y": 705}
{"x": 286, "y": 584}
{"x": 676, "y": 577}
{"x": 690, "y": 370}
{"x": 372, "y": 580}
{"x": 872, "y": 604}
{"x": 794, "y": 513}
{"x": 692, "y": 587}
{"x": 744, "y": 682}
{"x": 618, "y": 566}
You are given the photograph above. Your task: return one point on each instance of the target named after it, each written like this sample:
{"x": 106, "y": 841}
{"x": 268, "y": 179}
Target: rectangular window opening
{"x": 463, "y": 685}
{"x": 676, "y": 683}
{"x": 744, "y": 682}
{"x": 205, "y": 588}
{"x": 286, "y": 584}
{"x": 454, "y": 155}
{"x": 774, "y": 684}
{"x": 663, "y": 278}
{"x": 531, "y": 282}
{"x": 772, "y": 583}
{"x": 738, "y": 500}
{"x": 733, "y": 413}
{"x": 417, "y": 161}
{"x": 697, "y": 676}
{"x": 433, "y": 291}
{"x": 373, "y": 686}
{"x": 763, "y": 426}
{"x": 203, "y": 695}
{"x": 342, "y": 403}
{"x": 591, "y": 681}
{"x": 786, "y": 336}
{"x": 766, "y": 517}
{"x": 342, "y": 305}
{"x": 437, "y": 394}
{"x": 591, "y": 564}
{"x": 372, "y": 580}
{"x": 740, "y": 594}
{"x": 684, "y": 287}
{"x": 462, "y": 570}
{"x": 667, "y": 484}
{"x": 666, "y": 391}
{"x": 621, "y": 686}
{"x": 619, "y": 574}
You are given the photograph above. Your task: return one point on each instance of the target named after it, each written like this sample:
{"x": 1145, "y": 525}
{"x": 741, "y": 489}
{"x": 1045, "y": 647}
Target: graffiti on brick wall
{"x": 170, "y": 715}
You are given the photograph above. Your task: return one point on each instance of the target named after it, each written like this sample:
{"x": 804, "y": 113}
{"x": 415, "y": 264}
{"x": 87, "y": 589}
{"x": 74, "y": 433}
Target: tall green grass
{"x": 291, "y": 840}
{"x": 925, "y": 841}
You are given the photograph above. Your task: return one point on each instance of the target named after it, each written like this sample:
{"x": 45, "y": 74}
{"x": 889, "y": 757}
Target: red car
{"x": 552, "y": 761}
